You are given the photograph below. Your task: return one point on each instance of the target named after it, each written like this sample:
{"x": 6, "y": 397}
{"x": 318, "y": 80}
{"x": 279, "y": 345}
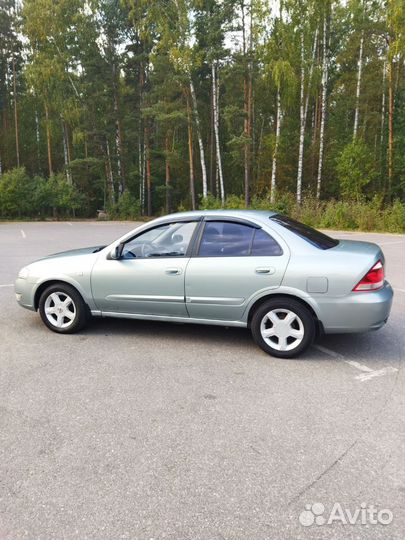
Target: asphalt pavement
{"x": 147, "y": 430}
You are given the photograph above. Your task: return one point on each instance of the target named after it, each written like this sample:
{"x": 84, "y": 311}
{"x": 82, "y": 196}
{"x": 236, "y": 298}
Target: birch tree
{"x": 277, "y": 80}
{"x": 199, "y": 136}
{"x": 284, "y": 79}
{"x": 395, "y": 39}
{"x": 358, "y": 85}
{"x": 325, "y": 73}
{"x": 174, "y": 35}
{"x": 304, "y": 102}
{"x": 276, "y": 145}
{"x": 181, "y": 53}
{"x": 190, "y": 152}
{"x": 215, "y": 86}
{"x": 211, "y": 22}
{"x": 171, "y": 100}
{"x": 247, "y": 42}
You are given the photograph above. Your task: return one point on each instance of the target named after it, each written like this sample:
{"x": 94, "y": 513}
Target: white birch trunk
{"x": 110, "y": 177}
{"x": 358, "y": 87}
{"x": 311, "y": 71}
{"x": 302, "y": 123}
{"x": 304, "y": 109}
{"x": 118, "y": 136}
{"x": 199, "y": 137}
{"x": 275, "y": 151}
{"x": 17, "y": 142}
{"x": 140, "y": 172}
{"x": 143, "y": 176}
{"x": 216, "y": 131}
{"x": 37, "y": 137}
{"x": 323, "y": 110}
{"x": 119, "y": 159}
{"x": 383, "y": 104}
{"x": 66, "y": 152}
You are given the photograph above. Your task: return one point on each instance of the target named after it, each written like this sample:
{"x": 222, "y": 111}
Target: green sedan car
{"x": 285, "y": 281}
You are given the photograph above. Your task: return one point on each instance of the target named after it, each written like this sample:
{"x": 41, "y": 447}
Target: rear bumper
{"x": 357, "y": 312}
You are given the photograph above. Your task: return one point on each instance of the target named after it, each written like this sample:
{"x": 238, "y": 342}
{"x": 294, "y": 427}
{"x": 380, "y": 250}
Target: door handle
{"x": 265, "y": 270}
{"x": 173, "y": 271}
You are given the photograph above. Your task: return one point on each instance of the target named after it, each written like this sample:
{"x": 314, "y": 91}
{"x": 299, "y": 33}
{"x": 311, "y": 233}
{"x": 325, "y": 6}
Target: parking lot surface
{"x": 147, "y": 430}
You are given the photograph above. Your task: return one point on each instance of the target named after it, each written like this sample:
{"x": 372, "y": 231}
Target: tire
{"x": 62, "y": 309}
{"x": 283, "y": 327}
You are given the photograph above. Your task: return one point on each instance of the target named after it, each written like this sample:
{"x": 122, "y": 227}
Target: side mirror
{"x": 116, "y": 252}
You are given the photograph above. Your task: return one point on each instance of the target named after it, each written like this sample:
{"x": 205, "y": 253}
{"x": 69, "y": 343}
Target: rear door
{"x": 233, "y": 261}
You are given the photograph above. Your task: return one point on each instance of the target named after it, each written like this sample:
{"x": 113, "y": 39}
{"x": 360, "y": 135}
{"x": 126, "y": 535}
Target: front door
{"x": 149, "y": 276}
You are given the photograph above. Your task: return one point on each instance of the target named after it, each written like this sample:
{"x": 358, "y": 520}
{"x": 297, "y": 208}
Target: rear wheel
{"x": 283, "y": 327}
{"x": 62, "y": 309}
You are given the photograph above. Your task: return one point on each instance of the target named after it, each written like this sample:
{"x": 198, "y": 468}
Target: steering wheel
{"x": 146, "y": 249}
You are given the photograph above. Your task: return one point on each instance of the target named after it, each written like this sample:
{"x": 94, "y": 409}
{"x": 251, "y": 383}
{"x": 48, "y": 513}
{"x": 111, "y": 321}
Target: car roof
{"x": 261, "y": 215}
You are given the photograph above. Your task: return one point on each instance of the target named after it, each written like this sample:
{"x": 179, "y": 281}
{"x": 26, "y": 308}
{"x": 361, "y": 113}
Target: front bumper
{"x": 356, "y": 312}
{"x": 24, "y": 292}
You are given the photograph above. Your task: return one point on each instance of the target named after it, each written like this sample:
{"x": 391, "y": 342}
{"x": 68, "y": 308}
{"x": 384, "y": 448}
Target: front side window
{"x": 226, "y": 239}
{"x": 169, "y": 240}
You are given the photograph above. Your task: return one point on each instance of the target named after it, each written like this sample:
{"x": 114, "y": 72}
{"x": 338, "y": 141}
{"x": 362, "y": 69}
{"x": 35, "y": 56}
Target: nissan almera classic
{"x": 285, "y": 281}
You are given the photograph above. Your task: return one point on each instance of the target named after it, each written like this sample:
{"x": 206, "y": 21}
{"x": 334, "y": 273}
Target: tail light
{"x": 373, "y": 280}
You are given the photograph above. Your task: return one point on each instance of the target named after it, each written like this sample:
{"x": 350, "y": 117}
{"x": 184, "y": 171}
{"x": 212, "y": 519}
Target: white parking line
{"x": 399, "y": 290}
{"x": 68, "y": 223}
{"x": 23, "y": 234}
{"x": 359, "y": 366}
{"x": 378, "y": 373}
{"x": 329, "y": 352}
{"x": 367, "y": 373}
{"x": 7, "y": 285}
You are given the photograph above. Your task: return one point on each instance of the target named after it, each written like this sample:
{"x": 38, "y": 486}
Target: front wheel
{"x": 62, "y": 309}
{"x": 283, "y": 327}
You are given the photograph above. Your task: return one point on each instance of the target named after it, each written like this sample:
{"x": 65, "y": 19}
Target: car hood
{"x": 73, "y": 253}
{"x": 72, "y": 262}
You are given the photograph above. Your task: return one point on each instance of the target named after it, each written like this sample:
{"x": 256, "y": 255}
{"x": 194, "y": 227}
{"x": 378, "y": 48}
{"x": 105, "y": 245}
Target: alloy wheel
{"x": 60, "y": 309}
{"x": 282, "y": 329}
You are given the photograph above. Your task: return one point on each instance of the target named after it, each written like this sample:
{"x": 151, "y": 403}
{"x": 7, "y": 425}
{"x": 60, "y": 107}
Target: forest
{"x": 143, "y": 107}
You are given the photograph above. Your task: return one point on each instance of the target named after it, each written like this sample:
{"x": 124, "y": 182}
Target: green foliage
{"x": 127, "y": 207}
{"x": 22, "y": 196}
{"x": 57, "y": 195}
{"x": 355, "y": 168}
{"x": 17, "y": 194}
{"x": 338, "y": 215}
{"x": 102, "y": 98}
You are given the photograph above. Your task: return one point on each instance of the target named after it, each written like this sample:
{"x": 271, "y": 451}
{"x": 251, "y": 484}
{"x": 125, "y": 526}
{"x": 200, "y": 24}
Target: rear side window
{"x": 227, "y": 239}
{"x": 264, "y": 244}
{"x": 314, "y": 237}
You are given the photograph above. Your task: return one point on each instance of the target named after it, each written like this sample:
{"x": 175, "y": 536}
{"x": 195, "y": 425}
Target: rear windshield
{"x": 314, "y": 237}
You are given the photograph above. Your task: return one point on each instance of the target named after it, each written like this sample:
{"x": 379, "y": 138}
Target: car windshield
{"x": 314, "y": 237}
